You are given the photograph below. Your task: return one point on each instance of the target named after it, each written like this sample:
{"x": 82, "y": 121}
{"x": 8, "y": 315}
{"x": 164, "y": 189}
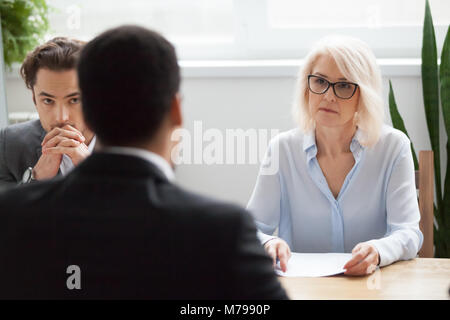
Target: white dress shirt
{"x": 377, "y": 202}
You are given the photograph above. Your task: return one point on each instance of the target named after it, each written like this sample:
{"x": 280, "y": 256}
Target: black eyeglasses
{"x": 342, "y": 89}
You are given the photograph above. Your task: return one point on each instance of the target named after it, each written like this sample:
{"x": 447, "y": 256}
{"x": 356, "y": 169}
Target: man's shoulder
{"x": 18, "y": 130}
{"x": 25, "y": 134}
{"x": 27, "y": 195}
{"x": 20, "y": 144}
{"x": 193, "y": 204}
{"x": 171, "y": 199}
{"x": 193, "y": 213}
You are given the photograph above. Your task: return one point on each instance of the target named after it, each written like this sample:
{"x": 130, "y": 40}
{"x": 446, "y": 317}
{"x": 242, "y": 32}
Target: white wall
{"x": 261, "y": 102}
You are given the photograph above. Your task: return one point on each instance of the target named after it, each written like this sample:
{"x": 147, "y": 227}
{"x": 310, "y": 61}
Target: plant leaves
{"x": 397, "y": 121}
{"x": 431, "y": 93}
{"x": 444, "y": 77}
{"x": 24, "y": 24}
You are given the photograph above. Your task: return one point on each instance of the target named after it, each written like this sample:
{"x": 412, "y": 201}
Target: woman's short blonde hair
{"x": 357, "y": 63}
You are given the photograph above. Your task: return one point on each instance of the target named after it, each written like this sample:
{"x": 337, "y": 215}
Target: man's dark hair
{"x": 128, "y": 77}
{"x": 57, "y": 54}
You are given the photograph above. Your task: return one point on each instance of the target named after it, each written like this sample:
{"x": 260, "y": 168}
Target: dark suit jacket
{"x": 20, "y": 148}
{"x": 133, "y": 234}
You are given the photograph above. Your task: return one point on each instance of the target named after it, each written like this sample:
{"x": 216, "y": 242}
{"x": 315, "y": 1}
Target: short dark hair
{"x": 57, "y": 54}
{"x": 128, "y": 77}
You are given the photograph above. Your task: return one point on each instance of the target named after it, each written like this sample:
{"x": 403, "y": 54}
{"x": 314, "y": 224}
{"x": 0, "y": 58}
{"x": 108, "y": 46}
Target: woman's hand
{"x": 278, "y": 248}
{"x": 364, "y": 261}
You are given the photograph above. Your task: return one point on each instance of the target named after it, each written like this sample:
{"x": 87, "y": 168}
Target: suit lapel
{"x": 38, "y": 150}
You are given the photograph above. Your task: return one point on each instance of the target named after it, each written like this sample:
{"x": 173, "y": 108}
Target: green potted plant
{"x": 436, "y": 87}
{"x": 23, "y": 26}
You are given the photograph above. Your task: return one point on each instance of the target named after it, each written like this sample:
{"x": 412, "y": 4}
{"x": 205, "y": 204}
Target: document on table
{"x": 314, "y": 264}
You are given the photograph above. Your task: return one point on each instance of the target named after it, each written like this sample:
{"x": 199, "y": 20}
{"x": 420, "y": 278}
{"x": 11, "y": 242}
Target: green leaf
{"x": 444, "y": 77}
{"x": 397, "y": 121}
{"x": 24, "y": 24}
{"x": 444, "y": 214}
{"x": 430, "y": 88}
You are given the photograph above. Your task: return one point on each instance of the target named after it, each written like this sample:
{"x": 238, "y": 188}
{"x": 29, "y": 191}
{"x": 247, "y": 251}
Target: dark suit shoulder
{"x": 191, "y": 204}
{"x": 175, "y": 237}
{"x": 233, "y": 232}
{"x": 29, "y": 195}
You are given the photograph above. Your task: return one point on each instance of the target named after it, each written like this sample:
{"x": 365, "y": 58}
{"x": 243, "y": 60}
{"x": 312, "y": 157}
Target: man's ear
{"x": 176, "y": 117}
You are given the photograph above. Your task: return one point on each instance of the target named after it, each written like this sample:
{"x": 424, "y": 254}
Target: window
{"x": 258, "y": 29}
{"x": 392, "y": 28}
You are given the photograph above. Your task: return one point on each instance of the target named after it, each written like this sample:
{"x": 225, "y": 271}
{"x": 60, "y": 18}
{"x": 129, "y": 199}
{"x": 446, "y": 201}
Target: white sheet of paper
{"x": 314, "y": 264}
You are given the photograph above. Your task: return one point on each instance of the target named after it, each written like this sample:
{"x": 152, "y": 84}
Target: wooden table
{"x": 414, "y": 279}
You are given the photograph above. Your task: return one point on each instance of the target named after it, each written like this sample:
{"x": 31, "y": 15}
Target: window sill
{"x": 266, "y": 68}
{"x": 281, "y": 68}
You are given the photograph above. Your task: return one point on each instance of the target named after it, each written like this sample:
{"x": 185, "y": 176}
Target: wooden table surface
{"x": 414, "y": 279}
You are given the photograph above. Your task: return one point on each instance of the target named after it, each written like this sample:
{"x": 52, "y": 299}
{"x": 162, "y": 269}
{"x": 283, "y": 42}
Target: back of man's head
{"x": 128, "y": 77}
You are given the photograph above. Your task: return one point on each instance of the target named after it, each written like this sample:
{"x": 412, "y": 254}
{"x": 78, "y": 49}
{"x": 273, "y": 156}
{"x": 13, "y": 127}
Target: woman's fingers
{"x": 283, "y": 256}
{"x": 364, "y": 260}
{"x": 278, "y": 249}
{"x": 357, "y": 248}
{"x": 367, "y": 266}
{"x": 272, "y": 252}
{"x": 358, "y": 255}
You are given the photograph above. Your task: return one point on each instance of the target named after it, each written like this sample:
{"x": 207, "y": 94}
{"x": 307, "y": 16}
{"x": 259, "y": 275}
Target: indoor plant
{"x": 436, "y": 87}
{"x": 24, "y": 24}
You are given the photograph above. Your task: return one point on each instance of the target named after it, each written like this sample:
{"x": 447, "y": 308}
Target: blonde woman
{"x": 345, "y": 181}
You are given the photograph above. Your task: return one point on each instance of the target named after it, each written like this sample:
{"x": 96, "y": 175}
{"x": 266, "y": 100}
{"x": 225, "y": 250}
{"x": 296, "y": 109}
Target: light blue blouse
{"x": 377, "y": 202}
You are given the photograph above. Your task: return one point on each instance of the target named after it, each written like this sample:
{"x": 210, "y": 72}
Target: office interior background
{"x": 239, "y": 60}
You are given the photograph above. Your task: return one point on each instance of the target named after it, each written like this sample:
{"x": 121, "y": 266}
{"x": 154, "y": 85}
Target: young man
{"x": 116, "y": 226}
{"x": 49, "y": 72}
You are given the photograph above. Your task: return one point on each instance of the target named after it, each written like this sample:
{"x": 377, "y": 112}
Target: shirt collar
{"x": 310, "y": 146}
{"x": 92, "y": 144}
{"x": 151, "y": 157}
